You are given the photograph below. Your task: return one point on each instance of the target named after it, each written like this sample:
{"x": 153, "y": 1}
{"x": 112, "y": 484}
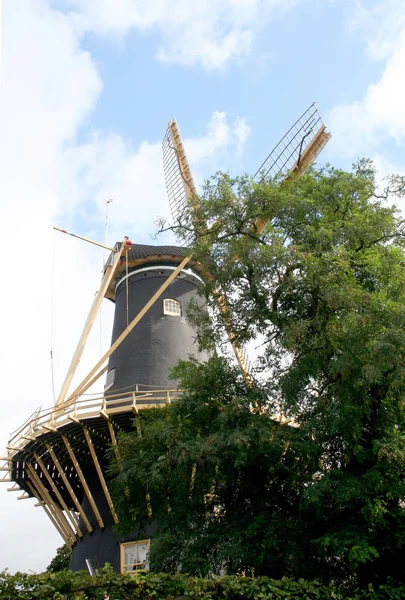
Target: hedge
{"x": 68, "y": 585}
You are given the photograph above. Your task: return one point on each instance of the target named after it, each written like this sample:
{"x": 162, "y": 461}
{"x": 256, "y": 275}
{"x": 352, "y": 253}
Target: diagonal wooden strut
{"x": 69, "y": 488}
{"x": 56, "y": 512}
{"x": 130, "y": 327}
{"x": 100, "y": 474}
{"x": 55, "y": 523}
{"x": 108, "y": 275}
{"x": 83, "y": 481}
{"x": 58, "y": 495}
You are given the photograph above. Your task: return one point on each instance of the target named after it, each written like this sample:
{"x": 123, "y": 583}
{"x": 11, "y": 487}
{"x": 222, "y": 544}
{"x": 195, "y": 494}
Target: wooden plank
{"x": 80, "y": 237}
{"x": 188, "y": 181}
{"x": 59, "y": 496}
{"x": 130, "y": 327}
{"x": 82, "y": 478}
{"x": 54, "y": 508}
{"x": 48, "y": 512}
{"x": 46, "y": 498}
{"x": 113, "y": 440}
{"x": 224, "y": 310}
{"x": 109, "y": 274}
{"x": 100, "y": 475}
{"x": 69, "y": 488}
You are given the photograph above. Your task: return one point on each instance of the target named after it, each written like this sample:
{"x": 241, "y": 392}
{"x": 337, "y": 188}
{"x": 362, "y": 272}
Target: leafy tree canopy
{"x": 61, "y": 560}
{"x": 321, "y": 292}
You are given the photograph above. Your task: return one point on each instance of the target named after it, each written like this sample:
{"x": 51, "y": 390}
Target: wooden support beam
{"x": 49, "y": 428}
{"x": 69, "y": 488}
{"x": 14, "y": 489}
{"x": 83, "y": 481}
{"x": 130, "y": 327}
{"x": 108, "y": 275}
{"x": 86, "y": 387}
{"x": 113, "y": 439}
{"x": 224, "y": 310}
{"x": 58, "y": 495}
{"x": 188, "y": 181}
{"x": 23, "y": 496}
{"x": 46, "y": 498}
{"x": 100, "y": 474}
{"x": 35, "y": 493}
{"x": 80, "y": 237}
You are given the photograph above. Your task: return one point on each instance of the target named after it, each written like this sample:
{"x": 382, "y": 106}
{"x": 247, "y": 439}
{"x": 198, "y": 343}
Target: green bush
{"x": 67, "y": 585}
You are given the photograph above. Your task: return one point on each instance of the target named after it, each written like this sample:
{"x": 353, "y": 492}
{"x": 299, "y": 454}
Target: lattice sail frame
{"x": 308, "y": 133}
{"x": 297, "y": 149}
{"x": 181, "y": 190}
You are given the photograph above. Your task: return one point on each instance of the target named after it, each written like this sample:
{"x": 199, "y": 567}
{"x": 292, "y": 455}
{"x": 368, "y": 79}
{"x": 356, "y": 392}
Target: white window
{"x": 110, "y": 379}
{"x": 134, "y": 556}
{"x": 171, "y": 307}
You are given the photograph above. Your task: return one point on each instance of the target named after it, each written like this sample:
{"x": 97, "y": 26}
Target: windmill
{"x": 58, "y": 456}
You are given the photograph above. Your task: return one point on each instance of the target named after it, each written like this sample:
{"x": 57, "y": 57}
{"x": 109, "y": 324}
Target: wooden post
{"x": 130, "y": 327}
{"x": 57, "y": 513}
{"x": 113, "y": 439}
{"x": 83, "y": 482}
{"x": 58, "y": 495}
{"x": 80, "y": 237}
{"x": 36, "y": 495}
{"x": 109, "y": 274}
{"x": 100, "y": 475}
{"x": 69, "y": 488}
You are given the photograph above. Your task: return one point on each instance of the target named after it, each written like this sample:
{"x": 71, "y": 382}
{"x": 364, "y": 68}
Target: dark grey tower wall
{"x": 102, "y": 544}
{"x": 158, "y": 341}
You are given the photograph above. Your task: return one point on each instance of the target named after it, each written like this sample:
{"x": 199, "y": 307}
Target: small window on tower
{"x": 171, "y": 307}
{"x": 135, "y": 556}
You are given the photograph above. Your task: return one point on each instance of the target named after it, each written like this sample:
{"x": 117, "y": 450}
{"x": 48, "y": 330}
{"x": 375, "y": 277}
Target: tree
{"x": 322, "y": 288}
{"x": 61, "y": 560}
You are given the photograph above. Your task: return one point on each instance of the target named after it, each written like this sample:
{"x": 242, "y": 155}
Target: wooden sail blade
{"x": 294, "y": 153}
{"x": 180, "y": 186}
{"x": 303, "y": 141}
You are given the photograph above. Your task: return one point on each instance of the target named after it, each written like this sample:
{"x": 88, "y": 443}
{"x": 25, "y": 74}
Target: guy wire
{"x": 126, "y": 273}
{"x": 52, "y": 303}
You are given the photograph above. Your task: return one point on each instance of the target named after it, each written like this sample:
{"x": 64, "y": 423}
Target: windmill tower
{"x": 58, "y": 456}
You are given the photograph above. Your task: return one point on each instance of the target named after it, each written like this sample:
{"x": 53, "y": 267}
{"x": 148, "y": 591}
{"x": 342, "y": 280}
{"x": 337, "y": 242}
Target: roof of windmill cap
{"x": 143, "y": 251}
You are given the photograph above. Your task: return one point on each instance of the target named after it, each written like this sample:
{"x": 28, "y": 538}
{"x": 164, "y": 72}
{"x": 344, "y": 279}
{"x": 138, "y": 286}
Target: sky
{"x": 87, "y": 89}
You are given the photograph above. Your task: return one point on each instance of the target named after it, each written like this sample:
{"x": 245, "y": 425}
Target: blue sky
{"x": 87, "y": 89}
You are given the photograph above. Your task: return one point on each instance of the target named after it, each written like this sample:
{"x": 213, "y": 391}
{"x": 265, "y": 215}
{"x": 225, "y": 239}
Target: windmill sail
{"x": 180, "y": 186}
{"x": 183, "y": 200}
{"x": 297, "y": 148}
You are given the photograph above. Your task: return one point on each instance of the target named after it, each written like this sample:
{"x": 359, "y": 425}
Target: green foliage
{"x": 61, "y": 560}
{"x": 215, "y": 469}
{"x": 322, "y": 288}
{"x": 145, "y": 586}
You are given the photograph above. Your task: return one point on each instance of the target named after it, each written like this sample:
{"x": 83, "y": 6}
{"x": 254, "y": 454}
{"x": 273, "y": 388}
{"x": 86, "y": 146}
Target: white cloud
{"x": 49, "y": 87}
{"x": 381, "y": 24}
{"x": 363, "y": 124}
{"x": 208, "y": 32}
